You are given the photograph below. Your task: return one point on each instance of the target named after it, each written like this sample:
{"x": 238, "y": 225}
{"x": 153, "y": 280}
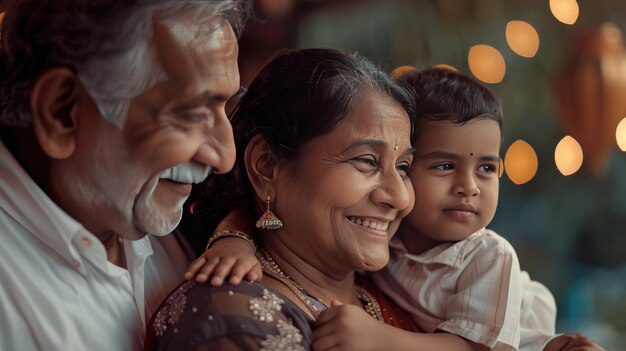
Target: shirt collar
{"x": 448, "y": 253}
{"x": 23, "y": 200}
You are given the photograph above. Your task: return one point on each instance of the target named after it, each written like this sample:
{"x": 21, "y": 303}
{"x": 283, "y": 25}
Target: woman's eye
{"x": 404, "y": 168}
{"x": 367, "y": 164}
{"x": 368, "y": 161}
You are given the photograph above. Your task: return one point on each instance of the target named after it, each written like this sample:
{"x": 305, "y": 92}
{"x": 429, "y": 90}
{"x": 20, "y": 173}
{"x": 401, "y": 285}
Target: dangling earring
{"x": 269, "y": 220}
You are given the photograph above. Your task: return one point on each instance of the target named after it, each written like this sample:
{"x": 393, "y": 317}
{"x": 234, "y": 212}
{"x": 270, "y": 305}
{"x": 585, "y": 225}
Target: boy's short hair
{"x": 442, "y": 94}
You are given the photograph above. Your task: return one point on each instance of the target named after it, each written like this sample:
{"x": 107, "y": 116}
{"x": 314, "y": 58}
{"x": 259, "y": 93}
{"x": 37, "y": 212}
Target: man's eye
{"x": 194, "y": 117}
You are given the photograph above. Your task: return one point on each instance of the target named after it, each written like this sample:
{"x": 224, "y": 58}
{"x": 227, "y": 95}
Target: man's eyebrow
{"x": 206, "y": 98}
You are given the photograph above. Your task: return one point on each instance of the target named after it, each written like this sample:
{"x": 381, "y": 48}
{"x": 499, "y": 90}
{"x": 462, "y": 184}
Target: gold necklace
{"x": 370, "y": 305}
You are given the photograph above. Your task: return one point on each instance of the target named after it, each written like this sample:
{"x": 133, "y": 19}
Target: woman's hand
{"x": 572, "y": 342}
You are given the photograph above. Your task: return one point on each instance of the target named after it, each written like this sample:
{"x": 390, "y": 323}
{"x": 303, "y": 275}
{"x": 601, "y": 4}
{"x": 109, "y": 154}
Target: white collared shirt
{"x": 58, "y": 290}
{"x": 473, "y": 288}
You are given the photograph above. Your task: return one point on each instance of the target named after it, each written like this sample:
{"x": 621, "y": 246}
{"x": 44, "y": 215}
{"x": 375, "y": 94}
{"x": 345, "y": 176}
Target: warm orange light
{"x": 565, "y": 11}
{"x": 276, "y": 8}
{"x": 522, "y": 38}
{"x": 568, "y": 156}
{"x": 486, "y": 63}
{"x": 520, "y": 162}
{"x": 501, "y": 168}
{"x": 444, "y": 66}
{"x": 398, "y": 71}
{"x": 1, "y": 17}
{"x": 620, "y": 134}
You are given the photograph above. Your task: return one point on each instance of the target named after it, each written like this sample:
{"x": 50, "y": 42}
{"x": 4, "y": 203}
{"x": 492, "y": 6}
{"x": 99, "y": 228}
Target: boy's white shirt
{"x": 473, "y": 288}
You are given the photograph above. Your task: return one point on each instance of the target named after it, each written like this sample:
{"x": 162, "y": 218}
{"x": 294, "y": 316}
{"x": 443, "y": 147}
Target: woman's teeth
{"x": 370, "y": 223}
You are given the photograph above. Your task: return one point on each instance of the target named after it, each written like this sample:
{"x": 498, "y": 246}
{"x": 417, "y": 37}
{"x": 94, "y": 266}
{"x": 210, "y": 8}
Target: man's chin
{"x": 157, "y": 225}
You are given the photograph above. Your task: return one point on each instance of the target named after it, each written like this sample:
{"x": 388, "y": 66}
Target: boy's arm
{"x": 566, "y": 342}
{"x": 348, "y": 327}
{"x": 228, "y": 255}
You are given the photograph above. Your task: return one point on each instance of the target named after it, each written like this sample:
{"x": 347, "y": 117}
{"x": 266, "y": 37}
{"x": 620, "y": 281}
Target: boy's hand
{"x": 228, "y": 257}
{"x": 572, "y": 342}
{"x": 347, "y": 327}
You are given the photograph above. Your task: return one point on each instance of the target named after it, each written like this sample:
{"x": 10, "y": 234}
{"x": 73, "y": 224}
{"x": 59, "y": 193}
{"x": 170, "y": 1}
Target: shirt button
{"x": 75, "y": 263}
{"x": 86, "y": 242}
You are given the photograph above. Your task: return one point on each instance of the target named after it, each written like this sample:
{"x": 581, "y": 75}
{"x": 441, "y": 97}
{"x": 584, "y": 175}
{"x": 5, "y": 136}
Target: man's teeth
{"x": 370, "y": 223}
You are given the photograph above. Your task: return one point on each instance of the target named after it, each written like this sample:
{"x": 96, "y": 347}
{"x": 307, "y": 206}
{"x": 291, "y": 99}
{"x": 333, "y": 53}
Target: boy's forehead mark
{"x": 471, "y": 154}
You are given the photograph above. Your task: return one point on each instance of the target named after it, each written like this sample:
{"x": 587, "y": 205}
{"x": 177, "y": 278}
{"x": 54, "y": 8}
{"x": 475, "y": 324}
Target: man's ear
{"x": 52, "y": 106}
{"x": 261, "y": 166}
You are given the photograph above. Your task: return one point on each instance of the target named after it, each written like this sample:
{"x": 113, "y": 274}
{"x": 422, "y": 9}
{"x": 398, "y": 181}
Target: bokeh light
{"x": 620, "y": 135}
{"x": 568, "y": 156}
{"x": 1, "y": 17}
{"x": 520, "y": 162}
{"x": 486, "y": 63}
{"x": 398, "y": 71}
{"x": 565, "y": 11}
{"x": 501, "y": 168}
{"x": 275, "y": 8}
{"x": 522, "y": 38}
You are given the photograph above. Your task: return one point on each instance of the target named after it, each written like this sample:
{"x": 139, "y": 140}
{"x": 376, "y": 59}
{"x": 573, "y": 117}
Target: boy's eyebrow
{"x": 450, "y": 155}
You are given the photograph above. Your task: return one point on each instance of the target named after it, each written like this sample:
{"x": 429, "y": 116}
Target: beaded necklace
{"x": 271, "y": 268}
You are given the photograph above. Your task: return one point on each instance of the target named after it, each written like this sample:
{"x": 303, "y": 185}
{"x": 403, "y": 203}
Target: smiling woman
{"x": 327, "y": 138}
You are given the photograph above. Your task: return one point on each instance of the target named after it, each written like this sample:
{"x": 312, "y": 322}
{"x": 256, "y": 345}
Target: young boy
{"x": 460, "y": 281}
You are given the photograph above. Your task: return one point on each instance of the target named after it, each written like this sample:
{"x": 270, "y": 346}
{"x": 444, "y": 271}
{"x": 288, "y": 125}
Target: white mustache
{"x": 186, "y": 173}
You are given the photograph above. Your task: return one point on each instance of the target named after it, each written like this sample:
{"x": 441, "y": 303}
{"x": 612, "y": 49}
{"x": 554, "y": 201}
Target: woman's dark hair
{"x": 297, "y": 97}
{"x": 441, "y": 94}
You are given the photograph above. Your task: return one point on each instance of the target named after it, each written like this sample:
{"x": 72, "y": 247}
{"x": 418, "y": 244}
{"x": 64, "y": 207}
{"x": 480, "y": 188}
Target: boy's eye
{"x": 487, "y": 168}
{"x": 444, "y": 166}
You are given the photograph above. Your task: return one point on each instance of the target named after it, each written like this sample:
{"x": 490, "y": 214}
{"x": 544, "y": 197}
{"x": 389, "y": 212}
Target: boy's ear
{"x": 261, "y": 166}
{"x": 52, "y": 106}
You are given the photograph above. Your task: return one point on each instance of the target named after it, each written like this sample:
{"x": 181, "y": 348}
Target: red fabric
{"x": 392, "y": 313}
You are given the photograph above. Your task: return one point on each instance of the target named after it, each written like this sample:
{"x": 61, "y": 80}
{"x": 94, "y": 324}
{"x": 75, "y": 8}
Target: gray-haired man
{"x": 109, "y": 111}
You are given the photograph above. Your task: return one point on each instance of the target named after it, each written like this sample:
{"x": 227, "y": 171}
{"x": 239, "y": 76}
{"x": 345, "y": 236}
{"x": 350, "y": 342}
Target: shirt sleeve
{"x": 248, "y": 316}
{"x": 485, "y": 307}
{"x": 538, "y": 315}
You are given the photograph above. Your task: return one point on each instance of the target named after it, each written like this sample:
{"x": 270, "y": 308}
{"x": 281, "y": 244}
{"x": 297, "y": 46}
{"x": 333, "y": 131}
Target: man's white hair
{"x": 113, "y": 54}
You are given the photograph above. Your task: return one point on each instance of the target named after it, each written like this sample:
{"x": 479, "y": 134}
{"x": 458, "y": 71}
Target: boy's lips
{"x": 462, "y": 208}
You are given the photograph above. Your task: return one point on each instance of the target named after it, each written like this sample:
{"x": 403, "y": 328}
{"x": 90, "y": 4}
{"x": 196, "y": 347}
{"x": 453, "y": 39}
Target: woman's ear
{"x": 261, "y": 166}
{"x": 52, "y": 106}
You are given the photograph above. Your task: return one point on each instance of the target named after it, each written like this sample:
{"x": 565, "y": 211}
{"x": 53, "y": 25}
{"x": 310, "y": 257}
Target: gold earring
{"x": 269, "y": 220}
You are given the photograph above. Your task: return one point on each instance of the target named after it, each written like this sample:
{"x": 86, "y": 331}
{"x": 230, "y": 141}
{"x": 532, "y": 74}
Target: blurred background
{"x": 559, "y": 68}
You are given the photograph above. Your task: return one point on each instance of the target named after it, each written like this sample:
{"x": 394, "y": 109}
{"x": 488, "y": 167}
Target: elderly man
{"x": 109, "y": 112}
